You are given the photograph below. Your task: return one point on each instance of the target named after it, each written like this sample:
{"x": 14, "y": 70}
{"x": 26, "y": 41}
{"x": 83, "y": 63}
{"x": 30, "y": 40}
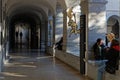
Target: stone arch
{"x": 35, "y": 14}
{"x": 113, "y": 25}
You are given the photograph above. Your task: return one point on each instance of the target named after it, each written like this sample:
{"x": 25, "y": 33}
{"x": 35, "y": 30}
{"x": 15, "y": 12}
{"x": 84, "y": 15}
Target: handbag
{"x": 110, "y": 69}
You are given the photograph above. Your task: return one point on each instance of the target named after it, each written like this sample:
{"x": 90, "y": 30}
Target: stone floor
{"x": 38, "y": 68}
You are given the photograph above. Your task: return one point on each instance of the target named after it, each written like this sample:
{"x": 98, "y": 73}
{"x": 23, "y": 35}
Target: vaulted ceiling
{"x": 46, "y": 6}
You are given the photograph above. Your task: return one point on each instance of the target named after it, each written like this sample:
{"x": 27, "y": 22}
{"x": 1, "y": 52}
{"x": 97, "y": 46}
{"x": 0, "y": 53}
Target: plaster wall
{"x": 112, "y": 8}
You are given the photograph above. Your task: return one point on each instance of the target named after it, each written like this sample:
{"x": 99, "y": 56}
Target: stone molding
{"x": 98, "y": 1}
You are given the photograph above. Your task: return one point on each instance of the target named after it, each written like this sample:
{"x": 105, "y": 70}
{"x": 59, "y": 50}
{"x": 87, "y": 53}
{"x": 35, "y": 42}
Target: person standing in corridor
{"x": 98, "y": 49}
{"x": 21, "y": 35}
{"x": 113, "y": 57}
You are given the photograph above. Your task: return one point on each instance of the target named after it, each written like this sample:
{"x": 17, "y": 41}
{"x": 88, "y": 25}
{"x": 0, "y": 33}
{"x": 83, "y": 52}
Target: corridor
{"x": 38, "y": 68}
{"x": 30, "y": 30}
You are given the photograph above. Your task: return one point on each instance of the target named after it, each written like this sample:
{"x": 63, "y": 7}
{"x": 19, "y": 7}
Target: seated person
{"x": 59, "y": 44}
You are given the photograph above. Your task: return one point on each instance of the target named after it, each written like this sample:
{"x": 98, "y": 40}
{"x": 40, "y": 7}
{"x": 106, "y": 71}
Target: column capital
{"x": 97, "y": 6}
{"x": 84, "y": 6}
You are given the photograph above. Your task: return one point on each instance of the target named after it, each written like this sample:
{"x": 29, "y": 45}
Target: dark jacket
{"x": 98, "y": 51}
{"x": 113, "y": 59}
{"x": 59, "y": 44}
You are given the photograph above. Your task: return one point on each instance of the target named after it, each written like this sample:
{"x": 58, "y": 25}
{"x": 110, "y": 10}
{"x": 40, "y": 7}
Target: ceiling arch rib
{"x": 62, "y": 3}
{"x": 42, "y": 3}
{"x": 17, "y": 4}
{"x": 72, "y": 3}
{"x": 68, "y": 3}
{"x": 28, "y": 9}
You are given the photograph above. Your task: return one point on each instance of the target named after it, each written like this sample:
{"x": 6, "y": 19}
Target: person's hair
{"x": 110, "y": 36}
{"x": 98, "y": 40}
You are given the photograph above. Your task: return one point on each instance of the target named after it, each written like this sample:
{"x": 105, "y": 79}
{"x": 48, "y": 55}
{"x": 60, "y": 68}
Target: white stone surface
{"x": 113, "y": 8}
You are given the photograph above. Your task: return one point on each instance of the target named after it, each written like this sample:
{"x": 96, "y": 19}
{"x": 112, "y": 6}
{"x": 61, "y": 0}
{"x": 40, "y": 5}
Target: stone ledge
{"x": 98, "y": 1}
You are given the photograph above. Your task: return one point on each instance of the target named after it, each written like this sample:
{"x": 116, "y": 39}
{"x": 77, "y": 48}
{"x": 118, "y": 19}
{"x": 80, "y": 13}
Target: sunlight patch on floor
{"x": 13, "y": 74}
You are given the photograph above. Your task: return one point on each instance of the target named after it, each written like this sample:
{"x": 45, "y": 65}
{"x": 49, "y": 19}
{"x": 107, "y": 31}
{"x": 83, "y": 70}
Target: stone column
{"x": 53, "y": 36}
{"x": 64, "y": 30}
{"x": 1, "y": 58}
{"x": 84, "y": 37}
{"x": 44, "y": 34}
{"x": 43, "y": 25}
{"x": 0, "y": 21}
{"x": 51, "y": 30}
{"x": 95, "y": 11}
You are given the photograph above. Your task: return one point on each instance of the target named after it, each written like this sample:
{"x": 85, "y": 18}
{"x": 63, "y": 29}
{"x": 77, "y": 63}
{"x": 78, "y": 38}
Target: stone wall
{"x": 74, "y": 61}
{"x": 93, "y": 70}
